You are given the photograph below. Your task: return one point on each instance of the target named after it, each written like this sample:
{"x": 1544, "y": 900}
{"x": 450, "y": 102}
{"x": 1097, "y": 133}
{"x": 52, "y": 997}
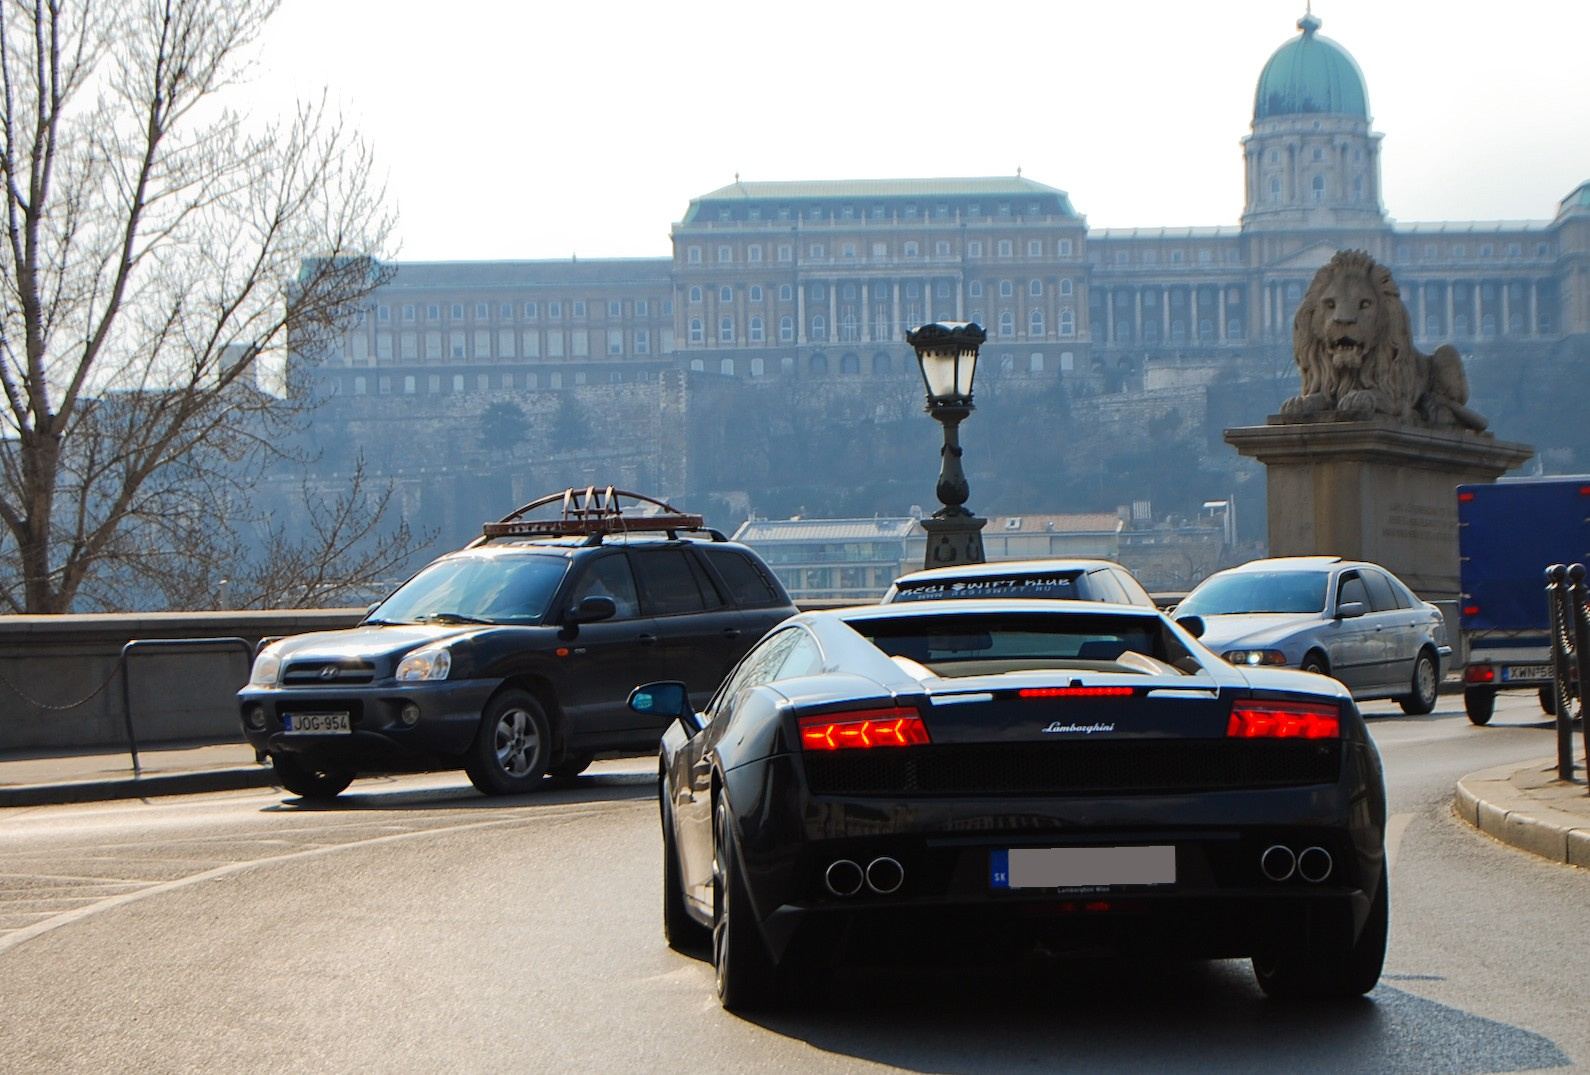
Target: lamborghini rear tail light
{"x": 1284, "y": 720}
{"x": 1075, "y": 692}
{"x": 897, "y": 727}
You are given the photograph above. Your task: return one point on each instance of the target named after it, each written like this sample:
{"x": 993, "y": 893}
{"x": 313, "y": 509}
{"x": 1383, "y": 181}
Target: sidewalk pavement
{"x": 39, "y": 779}
{"x": 1522, "y": 805}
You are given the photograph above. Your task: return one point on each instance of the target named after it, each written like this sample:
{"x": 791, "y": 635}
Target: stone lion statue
{"x": 1353, "y": 345}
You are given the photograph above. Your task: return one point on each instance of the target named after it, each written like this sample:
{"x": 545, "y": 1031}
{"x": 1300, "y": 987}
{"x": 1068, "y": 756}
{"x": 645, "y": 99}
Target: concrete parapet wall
{"x": 64, "y": 681}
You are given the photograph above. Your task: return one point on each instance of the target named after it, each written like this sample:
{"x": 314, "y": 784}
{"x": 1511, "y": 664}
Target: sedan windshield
{"x": 1297, "y": 592}
{"x": 500, "y": 589}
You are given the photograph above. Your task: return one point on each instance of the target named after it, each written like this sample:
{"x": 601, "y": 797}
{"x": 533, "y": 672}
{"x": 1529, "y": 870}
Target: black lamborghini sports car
{"x": 981, "y": 779}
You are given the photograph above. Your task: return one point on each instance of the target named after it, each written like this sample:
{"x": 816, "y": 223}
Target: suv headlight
{"x": 267, "y": 670}
{"x": 433, "y": 662}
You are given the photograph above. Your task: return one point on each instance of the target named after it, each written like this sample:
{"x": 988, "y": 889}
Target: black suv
{"x": 513, "y": 657}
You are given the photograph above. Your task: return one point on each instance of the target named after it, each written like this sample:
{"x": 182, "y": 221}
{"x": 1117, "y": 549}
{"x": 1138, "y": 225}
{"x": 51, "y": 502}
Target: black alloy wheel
{"x": 311, "y": 781}
{"x": 746, "y": 974}
{"x": 1321, "y": 967}
{"x": 511, "y": 748}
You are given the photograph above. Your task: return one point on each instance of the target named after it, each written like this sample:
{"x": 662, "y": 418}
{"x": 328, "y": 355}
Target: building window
{"x": 697, "y": 332}
{"x": 756, "y": 330}
{"x": 482, "y": 310}
{"x": 910, "y": 250}
{"x": 1006, "y": 247}
{"x": 1065, "y": 285}
{"x": 786, "y": 293}
{"x": 642, "y": 342}
{"x": 579, "y": 310}
{"x": 786, "y": 252}
{"x": 974, "y": 289}
{"x": 615, "y": 341}
{"x": 1006, "y": 289}
{"x": 457, "y": 310}
{"x": 1318, "y": 186}
{"x": 819, "y": 328}
{"x": 974, "y": 249}
{"x": 941, "y": 249}
{"x": 725, "y": 294}
{"x": 383, "y": 313}
{"x": 1068, "y": 322}
{"x": 408, "y": 311}
{"x": 695, "y": 296}
{"x": 1007, "y": 323}
{"x": 753, "y": 253}
{"x": 726, "y": 367}
{"x": 1065, "y": 248}
{"x": 693, "y": 255}
{"x": 555, "y": 310}
{"x": 758, "y": 367}
{"x": 815, "y": 251}
{"x": 786, "y": 329}
{"x": 1035, "y": 326}
{"x": 725, "y": 329}
{"x": 1034, "y": 248}
{"x": 1275, "y": 189}
{"x": 530, "y": 311}
{"x": 1035, "y": 288}
{"x": 725, "y": 254}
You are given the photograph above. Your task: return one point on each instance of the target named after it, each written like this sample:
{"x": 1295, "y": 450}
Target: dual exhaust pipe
{"x": 883, "y": 875}
{"x": 1281, "y": 863}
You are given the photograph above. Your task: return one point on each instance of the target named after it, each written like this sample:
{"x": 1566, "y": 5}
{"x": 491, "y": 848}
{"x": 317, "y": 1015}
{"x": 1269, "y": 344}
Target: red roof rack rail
{"x": 593, "y": 513}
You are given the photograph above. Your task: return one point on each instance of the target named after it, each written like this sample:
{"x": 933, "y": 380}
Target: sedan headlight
{"x": 1253, "y": 657}
{"x": 267, "y": 670}
{"x": 429, "y": 663}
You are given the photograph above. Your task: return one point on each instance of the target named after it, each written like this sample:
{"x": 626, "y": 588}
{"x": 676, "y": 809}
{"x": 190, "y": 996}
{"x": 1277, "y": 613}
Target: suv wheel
{"x": 510, "y": 752}
{"x": 311, "y": 781}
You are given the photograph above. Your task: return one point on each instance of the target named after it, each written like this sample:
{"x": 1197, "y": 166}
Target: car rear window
{"x": 1060, "y": 586}
{"x": 999, "y": 642}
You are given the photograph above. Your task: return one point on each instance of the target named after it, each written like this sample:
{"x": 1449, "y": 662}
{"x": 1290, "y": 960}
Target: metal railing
{"x": 1566, "y": 593}
{"x": 139, "y": 644}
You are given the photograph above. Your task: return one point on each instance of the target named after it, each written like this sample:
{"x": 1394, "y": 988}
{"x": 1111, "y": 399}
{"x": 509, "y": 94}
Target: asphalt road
{"x": 418, "y": 927}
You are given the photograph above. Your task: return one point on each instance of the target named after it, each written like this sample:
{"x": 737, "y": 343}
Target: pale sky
{"x": 513, "y": 129}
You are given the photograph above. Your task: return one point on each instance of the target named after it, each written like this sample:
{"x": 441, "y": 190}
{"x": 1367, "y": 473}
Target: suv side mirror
{"x": 591, "y": 609}
{"x": 668, "y": 699}
{"x": 1349, "y": 610}
{"x": 1193, "y": 624}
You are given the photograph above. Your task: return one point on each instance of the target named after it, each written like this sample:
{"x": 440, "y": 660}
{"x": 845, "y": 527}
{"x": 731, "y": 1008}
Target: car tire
{"x": 1315, "y": 662}
{"x": 570, "y": 767}
{"x": 1426, "y": 686}
{"x": 682, "y": 932}
{"x": 747, "y": 976}
{"x": 1479, "y": 703}
{"x": 1325, "y": 968}
{"x": 1548, "y": 700}
{"x": 311, "y": 781}
{"x": 510, "y": 751}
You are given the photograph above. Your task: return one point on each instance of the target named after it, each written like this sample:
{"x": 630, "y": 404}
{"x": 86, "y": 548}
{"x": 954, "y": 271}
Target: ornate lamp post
{"x": 946, "y": 351}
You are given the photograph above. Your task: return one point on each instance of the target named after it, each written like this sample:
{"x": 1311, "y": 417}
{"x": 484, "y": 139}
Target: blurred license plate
{"x": 316, "y": 724}
{"x": 1083, "y": 867}
{"x": 1511, "y": 672}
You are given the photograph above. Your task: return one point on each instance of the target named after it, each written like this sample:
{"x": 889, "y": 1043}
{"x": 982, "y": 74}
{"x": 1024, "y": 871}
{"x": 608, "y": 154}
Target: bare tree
{"x": 159, "y": 250}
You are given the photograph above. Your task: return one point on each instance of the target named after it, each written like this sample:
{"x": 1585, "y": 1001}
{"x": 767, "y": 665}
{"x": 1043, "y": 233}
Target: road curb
{"x": 1494, "y": 802}
{"x": 143, "y": 787}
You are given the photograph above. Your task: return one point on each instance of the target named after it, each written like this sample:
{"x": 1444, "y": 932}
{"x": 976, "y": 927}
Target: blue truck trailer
{"x": 1509, "y": 532}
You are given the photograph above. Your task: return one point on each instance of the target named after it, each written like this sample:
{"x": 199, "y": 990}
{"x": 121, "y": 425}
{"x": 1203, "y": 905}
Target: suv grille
{"x": 1146, "y": 765}
{"x": 327, "y": 673}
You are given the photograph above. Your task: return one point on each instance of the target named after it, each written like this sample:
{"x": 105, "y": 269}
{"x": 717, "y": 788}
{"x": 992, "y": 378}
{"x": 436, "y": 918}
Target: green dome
{"x": 1310, "y": 74}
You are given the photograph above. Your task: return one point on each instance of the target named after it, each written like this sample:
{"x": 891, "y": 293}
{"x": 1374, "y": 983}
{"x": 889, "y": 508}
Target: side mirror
{"x": 1193, "y": 625}
{"x": 591, "y": 609}
{"x": 668, "y": 700}
{"x": 1349, "y": 610}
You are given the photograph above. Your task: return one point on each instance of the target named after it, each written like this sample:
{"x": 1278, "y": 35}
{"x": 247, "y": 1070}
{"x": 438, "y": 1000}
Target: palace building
{"x": 820, "y": 280}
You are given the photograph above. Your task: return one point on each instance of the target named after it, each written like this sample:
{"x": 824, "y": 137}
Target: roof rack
{"x": 593, "y": 513}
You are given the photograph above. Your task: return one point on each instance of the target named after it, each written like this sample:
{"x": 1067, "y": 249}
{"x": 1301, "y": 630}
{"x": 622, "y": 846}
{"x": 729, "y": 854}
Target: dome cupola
{"x": 1310, "y": 74}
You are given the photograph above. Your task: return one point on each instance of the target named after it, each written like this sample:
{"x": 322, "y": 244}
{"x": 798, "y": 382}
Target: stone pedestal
{"x": 954, "y": 540}
{"x": 1374, "y": 490}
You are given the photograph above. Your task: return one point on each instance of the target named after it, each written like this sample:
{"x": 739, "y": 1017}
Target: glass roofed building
{"x": 820, "y": 280}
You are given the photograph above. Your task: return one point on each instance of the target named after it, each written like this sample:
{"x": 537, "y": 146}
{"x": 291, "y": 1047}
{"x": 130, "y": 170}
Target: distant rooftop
{"x": 797, "y": 196}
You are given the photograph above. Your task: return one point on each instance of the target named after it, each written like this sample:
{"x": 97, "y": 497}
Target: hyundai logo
{"x": 329, "y": 672}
